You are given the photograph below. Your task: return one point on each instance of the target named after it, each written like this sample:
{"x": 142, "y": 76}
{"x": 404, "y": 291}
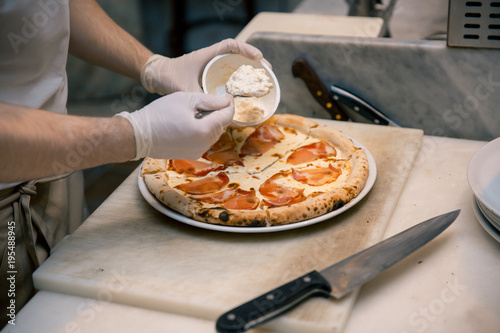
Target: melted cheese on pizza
{"x": 263, "y": 153}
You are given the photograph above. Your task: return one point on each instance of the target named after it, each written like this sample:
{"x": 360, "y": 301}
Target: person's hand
{"x": 164, "y": 75}
{"x": 167, "y": 127}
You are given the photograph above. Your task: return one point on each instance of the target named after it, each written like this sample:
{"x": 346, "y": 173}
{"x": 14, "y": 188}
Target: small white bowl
{"x": 220, "y": 68}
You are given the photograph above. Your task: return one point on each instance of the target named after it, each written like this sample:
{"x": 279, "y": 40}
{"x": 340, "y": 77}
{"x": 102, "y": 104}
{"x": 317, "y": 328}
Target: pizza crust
{"x": 312, "y": 207}
{"x": 153, "y": 166}
{"x": 158, "y": 185}
{"x": 298, "y": 123}
{"x": 320, "y": 200}
{"x": 359, "y": 173}
{"x": 232, "y": 217}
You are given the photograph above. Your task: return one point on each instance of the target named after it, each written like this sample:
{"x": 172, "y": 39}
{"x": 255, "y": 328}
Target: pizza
{"x": 286, "y": 170}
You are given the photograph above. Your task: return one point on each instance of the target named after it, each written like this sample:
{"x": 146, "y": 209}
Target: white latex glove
{"x": 167, "y": 127}
{"x": 164, "y": 75}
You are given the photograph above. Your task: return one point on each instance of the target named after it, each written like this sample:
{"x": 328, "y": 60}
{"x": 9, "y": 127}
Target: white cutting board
{"x": 128, "y": 253}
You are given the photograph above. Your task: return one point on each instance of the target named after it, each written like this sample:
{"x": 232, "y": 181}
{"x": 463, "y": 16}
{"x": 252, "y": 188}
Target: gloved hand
{"x": 164, "y": 75}
{"x": 167, "y": 127}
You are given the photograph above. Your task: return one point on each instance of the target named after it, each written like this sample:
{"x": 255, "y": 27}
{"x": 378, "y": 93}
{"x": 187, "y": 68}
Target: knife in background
{"x": 338, "y": 101}
{"x": 336, "y": 280}
{"x": 302, "y": 69}
{"x": 361, "y": 107}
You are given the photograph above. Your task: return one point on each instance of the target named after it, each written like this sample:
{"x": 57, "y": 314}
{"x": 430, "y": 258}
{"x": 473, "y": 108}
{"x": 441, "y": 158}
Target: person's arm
{"x": 96, "y": 38}
{"x": 36, "y": 143}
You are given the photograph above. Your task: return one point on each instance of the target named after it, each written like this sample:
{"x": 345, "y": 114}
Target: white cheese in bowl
{"x": 249, "y": 81}
{"x": 248, "y": 110}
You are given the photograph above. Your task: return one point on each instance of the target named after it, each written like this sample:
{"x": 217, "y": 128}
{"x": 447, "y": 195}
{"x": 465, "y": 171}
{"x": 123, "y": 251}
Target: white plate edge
{"x": 490, "y": 229}
{"x": 472, "y": 184}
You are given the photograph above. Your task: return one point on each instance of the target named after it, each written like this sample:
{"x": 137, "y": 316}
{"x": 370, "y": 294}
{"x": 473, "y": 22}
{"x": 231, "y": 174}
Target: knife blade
{"x": 336, "y": 280}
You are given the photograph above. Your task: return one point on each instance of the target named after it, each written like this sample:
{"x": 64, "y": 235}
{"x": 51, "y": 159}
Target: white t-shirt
{"x": 33, "y": 53}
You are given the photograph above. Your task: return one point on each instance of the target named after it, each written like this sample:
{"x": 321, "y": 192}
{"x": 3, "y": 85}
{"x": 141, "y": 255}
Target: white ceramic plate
{"x": 155, "y": 203}
{"x": 483, "y": 174}
{"x": 484, "y": 222}
{"x": 494, "y": 220}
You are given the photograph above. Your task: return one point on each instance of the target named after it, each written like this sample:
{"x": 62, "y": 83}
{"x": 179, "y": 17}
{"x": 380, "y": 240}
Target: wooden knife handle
{"x": 302, "y": 69}
{"x": 273, "y": 303}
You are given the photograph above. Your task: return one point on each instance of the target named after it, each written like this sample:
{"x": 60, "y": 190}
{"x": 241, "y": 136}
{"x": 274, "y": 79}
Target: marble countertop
{"x": 450, "y": 92}
{"x": 449, "y": 285}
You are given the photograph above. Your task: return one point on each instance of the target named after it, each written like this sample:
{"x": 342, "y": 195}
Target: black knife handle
{"x": 273, "y": 303}
{"x": 360, "y": 106}
{"x": 302, "y": 69}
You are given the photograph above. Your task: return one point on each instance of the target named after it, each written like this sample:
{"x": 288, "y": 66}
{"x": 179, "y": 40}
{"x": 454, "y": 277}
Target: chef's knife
{"x": 336, "y": 280}
{"x": 361, "y": 107}
{"x": 338, "y": 101}
{"x": 302, "y": 69}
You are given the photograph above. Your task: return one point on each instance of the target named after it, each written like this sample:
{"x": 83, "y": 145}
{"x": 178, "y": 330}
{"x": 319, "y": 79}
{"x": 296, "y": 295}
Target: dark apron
{"x": 34, "y": 217}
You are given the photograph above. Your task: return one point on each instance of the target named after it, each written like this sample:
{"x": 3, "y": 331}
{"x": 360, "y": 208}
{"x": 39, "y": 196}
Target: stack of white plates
{"x": 484, "y": 179}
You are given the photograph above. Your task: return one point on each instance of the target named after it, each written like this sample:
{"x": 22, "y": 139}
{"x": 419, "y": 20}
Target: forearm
{"x": 36, "y": 144}
{"x": 96, "y": 38}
